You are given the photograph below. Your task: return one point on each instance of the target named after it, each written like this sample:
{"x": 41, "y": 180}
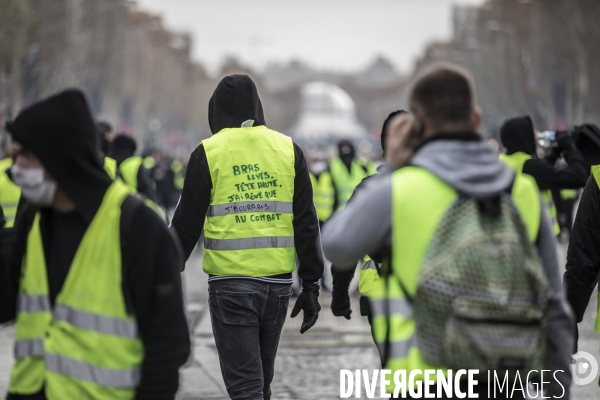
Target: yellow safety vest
{"x": 149, "y": 162}
{"x": 178, "y": 177}
{"x": 129, "y": 170}
{"x": 248, "y": 229}
{"x": 10, "y": 194}
{"x": 596, "y": 175}
{"x": 516, "y": 162}
{"x": 346, "y": 181}
{"x": 323, "y": 195}
{"x": 419, "y": 201}
{"x": 88, "y": 346}
{"x": 110, "y": 166}
{"x": 368, "y": 277}
{"x": 569, "y": 194}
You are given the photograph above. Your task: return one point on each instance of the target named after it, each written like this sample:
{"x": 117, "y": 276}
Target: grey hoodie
{"x": 473, "y": 168}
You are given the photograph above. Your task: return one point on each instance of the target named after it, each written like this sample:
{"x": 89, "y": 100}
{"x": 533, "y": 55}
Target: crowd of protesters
{"x": 454, "y": 240}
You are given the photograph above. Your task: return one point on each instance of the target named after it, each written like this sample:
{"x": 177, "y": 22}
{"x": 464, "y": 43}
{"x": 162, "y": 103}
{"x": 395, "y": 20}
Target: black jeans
{"x": 247, "y": 317}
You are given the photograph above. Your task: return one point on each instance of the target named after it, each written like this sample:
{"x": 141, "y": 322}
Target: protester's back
{"x": 461, "y": 248}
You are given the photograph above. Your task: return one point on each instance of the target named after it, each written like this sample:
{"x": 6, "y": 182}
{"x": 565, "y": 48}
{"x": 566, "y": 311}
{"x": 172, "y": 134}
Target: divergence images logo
{"x": 584, "y": 368}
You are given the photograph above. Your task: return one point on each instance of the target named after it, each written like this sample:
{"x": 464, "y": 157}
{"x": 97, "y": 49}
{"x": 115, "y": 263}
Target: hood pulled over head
{"x": 517, "y": 135}
{"x": 122, "y": 147}
{"x": 470, "y": 167}
{"x": 346, "y": 151}
{"x": 234, "y": 101}
{"x": 61, "y": 132}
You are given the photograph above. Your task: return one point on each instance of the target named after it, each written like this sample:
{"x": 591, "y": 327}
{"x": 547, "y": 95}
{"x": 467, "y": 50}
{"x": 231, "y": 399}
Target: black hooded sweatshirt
{"x": 61, "y": 133}
{"x": 517, "y": 135}
{"x": 122, "y": 148}
{"x": 235, "y": 101}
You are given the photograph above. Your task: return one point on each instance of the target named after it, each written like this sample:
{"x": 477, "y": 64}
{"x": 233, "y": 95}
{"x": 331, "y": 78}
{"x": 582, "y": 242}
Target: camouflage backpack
{"x": 482, "y": 296}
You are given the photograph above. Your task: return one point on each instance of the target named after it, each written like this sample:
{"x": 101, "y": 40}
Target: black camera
{"x": 586, "y": 138}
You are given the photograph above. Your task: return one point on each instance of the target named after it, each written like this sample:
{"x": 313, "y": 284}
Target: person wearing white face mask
{"x": 93, "y": 280}
{"x": 35, "y": 186}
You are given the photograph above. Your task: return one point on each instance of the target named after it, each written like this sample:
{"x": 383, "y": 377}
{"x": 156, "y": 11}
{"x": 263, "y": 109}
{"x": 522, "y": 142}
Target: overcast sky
{"x": 343, "y": 35}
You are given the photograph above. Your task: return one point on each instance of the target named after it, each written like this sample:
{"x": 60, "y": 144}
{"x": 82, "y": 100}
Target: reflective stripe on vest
{"x": 95, "y": 322}
{"x": 28, "y": 348}
{"x": 117, "y": 378}
{"x": 249, "y": 225}
{"x": 265, "y": 242}
{"x": 220, "y": 210}
{"x": 346, "y": 181}
{"x": 9, "y": 194}
{"x": 33, "y": 303}
{"x": 59, "y": 349}
{"x": 394, "y": 306}
{"x": 419, "y": 202}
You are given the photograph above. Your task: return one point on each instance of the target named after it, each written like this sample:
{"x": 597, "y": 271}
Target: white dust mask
{"x": 34, "y": 188}
{"x": 318, "y": 167}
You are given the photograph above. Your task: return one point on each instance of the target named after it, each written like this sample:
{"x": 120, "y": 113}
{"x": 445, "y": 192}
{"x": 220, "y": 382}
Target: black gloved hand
{"x": 340, "y": 304}
{"x": 308, "y": 301}
{"x": 564, "y": 140}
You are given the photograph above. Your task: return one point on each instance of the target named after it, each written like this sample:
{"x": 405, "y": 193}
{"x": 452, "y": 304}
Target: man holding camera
{"x": 519, "y": 139}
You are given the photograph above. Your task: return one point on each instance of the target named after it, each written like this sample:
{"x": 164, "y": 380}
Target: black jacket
{"x": 583, "y": 257}
{"x": 235, "y": 101}
{"x": 61, "y": 133}
{"x": 517, "y": 135}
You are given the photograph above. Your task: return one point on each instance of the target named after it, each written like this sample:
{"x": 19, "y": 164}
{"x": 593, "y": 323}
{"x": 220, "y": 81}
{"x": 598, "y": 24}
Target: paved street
{"x": 307, "y": 366}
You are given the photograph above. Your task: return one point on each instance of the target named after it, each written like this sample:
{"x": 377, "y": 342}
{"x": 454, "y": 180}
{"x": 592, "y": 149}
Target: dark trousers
{"x": 247, "y": 317}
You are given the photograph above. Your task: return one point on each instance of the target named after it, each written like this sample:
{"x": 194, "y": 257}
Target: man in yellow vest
{"x": 93, "y": 282}
{"x": 131, "y": 167}
{"x": 369, "y": 268}
{"x": 323, "y": 188}
{"x": 519, "y": 139}
{"x": 347, "y": 171}
{"x": 248, "y": 187}
{"x": 445, "y": 157}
